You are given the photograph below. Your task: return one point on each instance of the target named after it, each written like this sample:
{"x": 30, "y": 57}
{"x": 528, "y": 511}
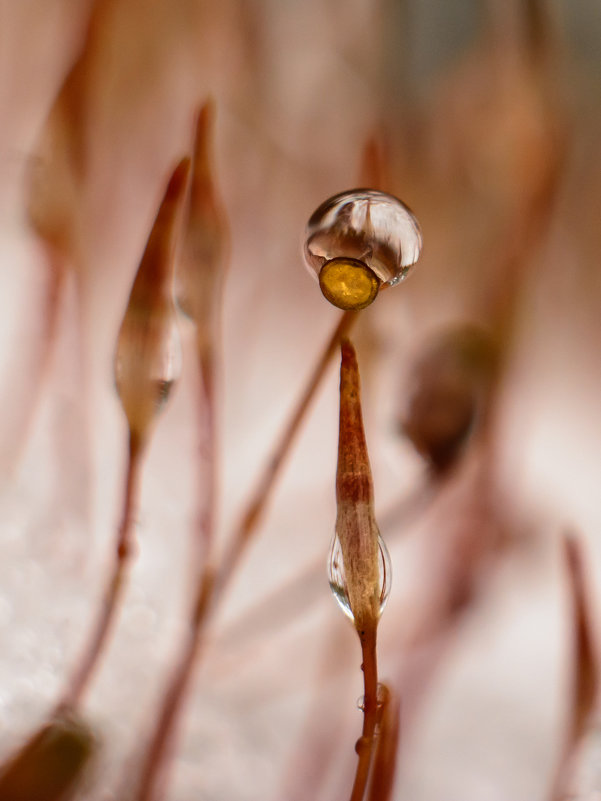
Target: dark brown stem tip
{"x": 156, "y": 264}
{"x": 349, "y": 372}
{"x": 373, "y": 168}
{"x": 177, "y": 183}
{"x": 349, "y": 357}
{"x": 204, "y": 121}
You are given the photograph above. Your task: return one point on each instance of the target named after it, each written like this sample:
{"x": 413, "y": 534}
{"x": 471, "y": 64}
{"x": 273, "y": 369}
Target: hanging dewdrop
{"x": 358, "y": 242}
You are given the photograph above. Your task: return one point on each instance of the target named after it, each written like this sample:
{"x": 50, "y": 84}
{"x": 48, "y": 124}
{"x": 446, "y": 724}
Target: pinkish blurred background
{"x": 488, "y": 119}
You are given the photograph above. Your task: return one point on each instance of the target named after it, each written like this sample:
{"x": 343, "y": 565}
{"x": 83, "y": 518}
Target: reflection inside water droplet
{"x": 337, "y": 577}
{"x": 367, "y": 228}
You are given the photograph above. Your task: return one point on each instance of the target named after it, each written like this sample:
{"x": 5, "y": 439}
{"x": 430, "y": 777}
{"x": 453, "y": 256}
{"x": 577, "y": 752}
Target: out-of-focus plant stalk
{"x": 147, "y": 362}
{"x": 584, "y": 667}
{"x": 200, "y": 279}
{"x": 255, "y": 508}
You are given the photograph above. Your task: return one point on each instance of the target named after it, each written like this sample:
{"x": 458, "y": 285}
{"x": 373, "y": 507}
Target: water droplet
{"x": 381, "y": 698}
{"x": 148, "y": 362}
{"x": 337, "y": 577}
{"x": 364, "y": 235}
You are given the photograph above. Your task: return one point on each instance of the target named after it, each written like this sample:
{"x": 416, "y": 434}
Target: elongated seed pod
{"x": 356, "y": 526}
{"x": 203, "y": 258}
{"x": 148, "y": 355}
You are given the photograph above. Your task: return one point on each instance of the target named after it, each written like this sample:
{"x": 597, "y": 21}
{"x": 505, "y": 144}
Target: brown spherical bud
{"x": 449, "y": 389}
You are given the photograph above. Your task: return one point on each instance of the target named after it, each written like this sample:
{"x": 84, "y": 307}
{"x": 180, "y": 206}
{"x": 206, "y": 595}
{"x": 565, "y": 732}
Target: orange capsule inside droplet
{"x": 348, "y": 283}
{"x": 367, "y": 239}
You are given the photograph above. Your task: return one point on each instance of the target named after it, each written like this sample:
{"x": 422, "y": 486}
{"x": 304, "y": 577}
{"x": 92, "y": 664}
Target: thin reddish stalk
{"x": 114, "y": 586}
{"x": 365, "y": 745}
{"x": 208, "y": 455}
{"x": 177, "y": 687}
{"x": 262, "y": 494}
{"x": 154, "y": 761}
{"x": 584, "y": 666}
{"x": 387, "y": 746}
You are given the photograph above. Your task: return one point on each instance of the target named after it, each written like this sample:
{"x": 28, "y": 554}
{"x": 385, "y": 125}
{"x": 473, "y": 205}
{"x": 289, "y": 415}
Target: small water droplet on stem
{"x": 337, "y": 578}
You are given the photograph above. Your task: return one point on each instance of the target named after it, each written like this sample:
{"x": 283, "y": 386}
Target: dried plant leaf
{"x": 148, "y": 356}
{"x": 356, "y": 526}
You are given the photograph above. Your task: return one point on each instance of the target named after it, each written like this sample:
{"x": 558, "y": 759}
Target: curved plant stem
{"x": 262, "y": 494}
{"x": 114, "y": 586}
{"x": 173, "y": 697}
{"x": 208, "y": 455}
{"x": 365, "y": 745}
{"x": 154, "y": 760}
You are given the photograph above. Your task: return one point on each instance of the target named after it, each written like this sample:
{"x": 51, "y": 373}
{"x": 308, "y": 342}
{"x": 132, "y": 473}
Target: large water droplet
{"x": 362, "y": 228}
{"x": 337, "y": 578}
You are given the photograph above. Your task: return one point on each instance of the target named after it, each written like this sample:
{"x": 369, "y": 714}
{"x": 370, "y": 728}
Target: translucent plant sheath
{"x": 147, "y": 362}
{"x": 148, "y": 354}
{"x": 359, "y": 538}
{"x": 199, "y": 278}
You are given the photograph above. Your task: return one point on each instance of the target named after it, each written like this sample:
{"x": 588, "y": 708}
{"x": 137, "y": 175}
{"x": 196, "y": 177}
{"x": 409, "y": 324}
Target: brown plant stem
{"x": 387, "y": 746}
{"x": 173, "y": 697}
{"x": 584, "y": 667}
{"x": 208, "y": 455}
{"x": 365, "y": 744}
{"x": 164, "y": 731}
{"x": 114, "y": 586}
